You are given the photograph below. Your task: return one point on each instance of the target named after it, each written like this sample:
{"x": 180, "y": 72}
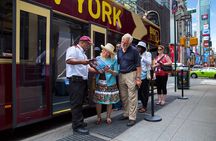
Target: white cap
{"x": 142, "y": 44}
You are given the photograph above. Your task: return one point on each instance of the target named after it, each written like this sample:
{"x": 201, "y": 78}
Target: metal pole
{"x": 152, "y": 117}
{"x": 175, "y": 54}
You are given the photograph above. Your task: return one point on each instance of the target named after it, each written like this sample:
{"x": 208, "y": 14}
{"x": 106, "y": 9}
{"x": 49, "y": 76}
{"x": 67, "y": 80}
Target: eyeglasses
{"x": 160, "y": 49}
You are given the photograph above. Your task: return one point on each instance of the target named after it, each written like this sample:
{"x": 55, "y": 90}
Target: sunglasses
{"x": 160, "y": 49}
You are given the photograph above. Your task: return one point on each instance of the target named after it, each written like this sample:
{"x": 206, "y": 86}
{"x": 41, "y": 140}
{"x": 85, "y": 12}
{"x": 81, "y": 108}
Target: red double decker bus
{"x": 34, "y": 35}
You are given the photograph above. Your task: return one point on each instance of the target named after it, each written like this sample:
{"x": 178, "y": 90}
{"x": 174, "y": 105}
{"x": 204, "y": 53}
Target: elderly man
{"x": 77, "y": 68}
{"x": 129, "y": 78}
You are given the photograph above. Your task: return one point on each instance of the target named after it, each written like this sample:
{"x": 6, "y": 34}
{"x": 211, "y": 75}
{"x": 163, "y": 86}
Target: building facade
{"x": 204, "y": 47}
{"x": 162, "y": 8}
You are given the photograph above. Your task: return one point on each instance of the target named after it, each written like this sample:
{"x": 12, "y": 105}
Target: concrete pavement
{"x": 182, "y": 120}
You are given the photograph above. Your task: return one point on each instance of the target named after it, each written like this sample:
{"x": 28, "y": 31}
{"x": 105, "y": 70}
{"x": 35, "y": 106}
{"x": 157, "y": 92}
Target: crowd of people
{"x": 122, "y": 77}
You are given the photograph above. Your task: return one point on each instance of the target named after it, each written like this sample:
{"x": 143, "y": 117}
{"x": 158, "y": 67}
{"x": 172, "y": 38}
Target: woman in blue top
{"x": 106, "y": 88}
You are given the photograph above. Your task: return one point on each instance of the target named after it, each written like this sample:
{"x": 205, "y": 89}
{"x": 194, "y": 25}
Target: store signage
{"x": 206, "y": 43}
{"x": 174, "y": 6}
{"x": 205, "y": 26}
{"x": 204, "y": 16}
{"x": 205, "y": 32}
{"x": 205, "y": 38}
{"x": 106, "y": 13}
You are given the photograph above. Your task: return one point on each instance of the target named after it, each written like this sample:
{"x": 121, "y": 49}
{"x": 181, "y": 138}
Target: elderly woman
{"x": 106, "y": 90}
{"x": 161, "y": 75}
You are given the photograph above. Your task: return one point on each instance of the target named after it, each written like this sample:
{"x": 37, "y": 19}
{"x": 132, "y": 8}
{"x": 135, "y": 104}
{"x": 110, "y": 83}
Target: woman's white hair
{"x": 128, "y": 36}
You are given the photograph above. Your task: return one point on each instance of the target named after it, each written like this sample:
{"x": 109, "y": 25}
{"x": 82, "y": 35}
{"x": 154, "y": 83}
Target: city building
{"x": 162, "y": 8}
{"x": 183, "y": 29}
{"x": 204, "y": 48}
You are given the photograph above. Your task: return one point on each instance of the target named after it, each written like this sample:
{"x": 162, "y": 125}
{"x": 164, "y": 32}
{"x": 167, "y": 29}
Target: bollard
{"x": 182, "y": 86}
{"x": 151, "y": 117}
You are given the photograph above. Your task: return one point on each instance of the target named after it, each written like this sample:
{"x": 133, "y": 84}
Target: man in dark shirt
{"x": 129, "y": 78}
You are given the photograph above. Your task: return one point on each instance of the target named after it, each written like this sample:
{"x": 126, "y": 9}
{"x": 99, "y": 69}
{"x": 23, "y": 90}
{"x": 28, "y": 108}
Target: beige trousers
{"x": 128, "y": 93}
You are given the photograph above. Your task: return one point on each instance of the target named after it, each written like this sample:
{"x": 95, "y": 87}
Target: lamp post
{"x": 174, "y": 10}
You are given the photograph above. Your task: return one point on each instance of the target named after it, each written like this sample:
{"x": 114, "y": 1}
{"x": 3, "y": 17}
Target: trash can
{"x": 61, "y": 87}
{"x": 185, "y": 73}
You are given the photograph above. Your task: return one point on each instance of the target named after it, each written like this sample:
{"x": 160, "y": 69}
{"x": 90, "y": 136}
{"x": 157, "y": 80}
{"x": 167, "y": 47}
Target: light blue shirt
{"x": 112, "y": 63}
{"x": 146, "y": 61}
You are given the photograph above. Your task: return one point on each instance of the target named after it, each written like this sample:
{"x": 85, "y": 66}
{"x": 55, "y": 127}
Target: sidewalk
{"x": 182, "y": 120}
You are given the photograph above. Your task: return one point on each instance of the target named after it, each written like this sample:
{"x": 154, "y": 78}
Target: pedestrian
{"x": 146, "y": 61}
{"x": 106, "y": 92}
{"x": 161, "y": 75}
{"x": 117, "y": 106}
{"x": 129, "y": 78}
{"x": 77, "y": 69}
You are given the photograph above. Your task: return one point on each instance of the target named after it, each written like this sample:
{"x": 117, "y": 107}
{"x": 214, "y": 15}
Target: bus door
{"x": 32, "y": 95}
{"x": 99, "y": 37}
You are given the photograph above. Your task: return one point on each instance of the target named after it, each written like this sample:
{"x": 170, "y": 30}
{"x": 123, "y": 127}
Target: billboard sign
{"x": 205, "y": 26}
{"x": 174, "y": 6}
{"x": 205, "y": 32}
{"x": 206, "y": 43}
{"x": 204, "y": 16}
{"x": 205, "y": 38}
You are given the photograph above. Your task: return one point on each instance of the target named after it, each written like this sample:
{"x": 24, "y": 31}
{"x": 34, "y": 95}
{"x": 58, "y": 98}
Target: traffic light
{"x": 183, "y": 41}
{"x": 210, "y": 43}
{"x": 193, "y": 41}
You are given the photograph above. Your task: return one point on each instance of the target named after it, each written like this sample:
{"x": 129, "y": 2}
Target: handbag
{"x": 165, "y": 67}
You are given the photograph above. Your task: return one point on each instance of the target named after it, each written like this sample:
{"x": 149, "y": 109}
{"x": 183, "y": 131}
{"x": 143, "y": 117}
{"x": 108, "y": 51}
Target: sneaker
{"x": 81, "y": 130}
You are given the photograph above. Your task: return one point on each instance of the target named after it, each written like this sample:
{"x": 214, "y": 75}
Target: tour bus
{"x": 34, "y": 36}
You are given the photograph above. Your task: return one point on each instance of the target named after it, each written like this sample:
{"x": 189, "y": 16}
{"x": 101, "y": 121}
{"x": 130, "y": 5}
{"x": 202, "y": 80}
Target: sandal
{"x": 108, "y": 121}
{"x": 142, "y": 110}
{"x": 99, "y": 121}
{"x": 158, "y": 103}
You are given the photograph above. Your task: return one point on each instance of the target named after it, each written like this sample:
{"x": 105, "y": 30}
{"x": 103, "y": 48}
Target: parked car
{"x": 196, "y": 67}
{"x": 178, "y": 65}
{"x": 209, "y": 72}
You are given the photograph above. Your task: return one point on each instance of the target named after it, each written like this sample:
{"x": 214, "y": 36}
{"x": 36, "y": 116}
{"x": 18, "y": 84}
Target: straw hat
{"x": 109, "y": 47}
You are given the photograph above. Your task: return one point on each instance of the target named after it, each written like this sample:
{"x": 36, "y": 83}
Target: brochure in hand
{"x": 99, "y": 64}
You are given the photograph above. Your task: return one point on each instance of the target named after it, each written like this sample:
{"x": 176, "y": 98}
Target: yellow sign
{"x": 154, "y": 35}
{"x": 105, "y": 10}
{"x": 193, "y": 41}
{"x": 57, "y": 2}
{"x": 183, "y": 41}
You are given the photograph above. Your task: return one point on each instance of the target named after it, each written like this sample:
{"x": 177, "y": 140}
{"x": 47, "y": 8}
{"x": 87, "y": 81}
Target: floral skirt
{"x": 106, "y": 94}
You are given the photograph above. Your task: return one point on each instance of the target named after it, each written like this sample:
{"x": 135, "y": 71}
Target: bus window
{"x": 114, "y": 37}
{"x": 6, "y": 29}
{"x": 65, "y": 34}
